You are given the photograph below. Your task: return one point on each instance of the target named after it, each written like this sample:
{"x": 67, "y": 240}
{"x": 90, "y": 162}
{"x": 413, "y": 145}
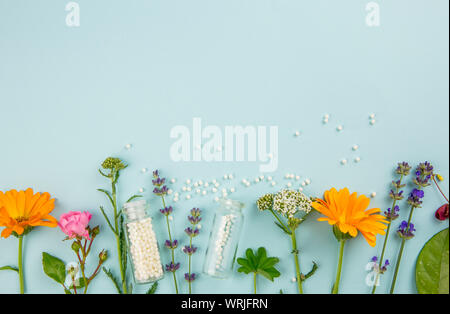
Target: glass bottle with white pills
{"x": 224, "y": 239}
{"x": 142, "y": 244}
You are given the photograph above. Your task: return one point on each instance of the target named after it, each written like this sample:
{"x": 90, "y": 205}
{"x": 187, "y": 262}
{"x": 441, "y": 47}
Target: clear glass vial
{"x": 224, "y": 239}
{"x": 143, "y": 247}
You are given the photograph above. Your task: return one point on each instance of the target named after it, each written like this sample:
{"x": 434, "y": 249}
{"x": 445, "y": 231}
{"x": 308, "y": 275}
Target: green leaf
{"x": 108, "y": 195}
{"x": 54, "y": 267}
{"x": 283, "y": 228}
{"x": 9, "y": 268}
{"x": 123, "y": 247}
{"x": 113, "y": 279}
{"x": 107, "y": 220}
{"x": 259, "y": 264}
{"x": 153, "y": 288}
{"x": 67, "y": 291}
{"x": 133, "y": 197}
{"x": 433, "y": 264}
{"x": 80, "y": 283}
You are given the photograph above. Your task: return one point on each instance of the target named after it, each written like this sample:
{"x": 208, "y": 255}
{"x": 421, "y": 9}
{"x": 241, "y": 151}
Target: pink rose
{"x": 75, "y": 224}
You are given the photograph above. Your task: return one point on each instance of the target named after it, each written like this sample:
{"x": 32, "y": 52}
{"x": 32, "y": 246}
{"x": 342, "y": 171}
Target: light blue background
{"x": 69, "y": 97}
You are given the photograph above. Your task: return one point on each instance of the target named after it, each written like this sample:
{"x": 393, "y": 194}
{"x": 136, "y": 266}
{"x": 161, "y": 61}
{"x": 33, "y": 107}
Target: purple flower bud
{"x": 189, "y": 250}
{"x": 172, "y": 267}
{"x": 156, "y": 174}
{"x": 374, "y": 259}
{"x": 189, "y": 278}
{"x": 406, "y": 232}
{"x": 171, "y": 245}
{"x": 166, "y": 211}
{"x": 392, "y": 214}
{"x": 192, "y": 232}
{"x": 159, "y": 181}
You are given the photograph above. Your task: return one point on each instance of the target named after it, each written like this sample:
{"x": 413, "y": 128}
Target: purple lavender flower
{"x": 384, "y": 267}
{"x": 403, "y": 168}
{"x": 398, "y": 184}
{"x": 189, "y": 250}
{"x": 156, "y": 174}
{"x": 406, "y": 232}
{"x": 374, "y": 259}
{"x": 415, "y": 198}
{"x": 160, "y": 191}
{"x": 194, "y": 220}
{"x": 196, "y": 212}
{"x": 396, "y": 195}
{"x": 166, "y": 211}
{"x": 189, "y": 277}
{"x": 425, "y": 168}
{"x": 392, "y": 214}
{"x": 171, "y": 245}
{"x": 192, "y": 232}
{"x": 172, "y": 267}
{"x": 159, "y": 181}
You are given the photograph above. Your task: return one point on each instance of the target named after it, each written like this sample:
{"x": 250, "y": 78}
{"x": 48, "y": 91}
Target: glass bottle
{"x": 224, "y": 239}
{"x": 143, "y": 247}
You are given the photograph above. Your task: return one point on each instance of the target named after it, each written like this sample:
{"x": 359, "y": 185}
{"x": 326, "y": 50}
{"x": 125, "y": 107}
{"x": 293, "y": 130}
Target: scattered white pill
{"x": 372, "y": 122}
{"x": 303, "y": 183}
{"x": 175, "y": 199}
{"x": 188, "y": 181}
{"x": 128, "y": 146}
{"x": 196, "y": 184}
{"x": 144, "y": 170}
{"x": 273, "y": 183}
{"x": 173, "y": 181}
{"x": 214, "y": 190}
{"x": 325, "y": 121}
{"x": 289, "y": 184}
{"x": 297, "y": 178}
{"x": 339, "y": 128}
{"x": 230, "y": 176}
{"x": 287, "y": 176}
{"x": 357, "y": 159}
{"x": 216, "y": 199}
{"x": 326, "y": 116}
{"x": 297, "y": 133}
{"x": 198, "y": 191}
{"x": 188, "y": 197}
{"x": 373, "y": 194}
{"x": 294, "y": 279}
{"x": 188, "y": 189}
{"x": 308, "y": 181}
{"x": 269, "y": 178}
{"x": 184, "y": 188}
{"x": 372, "y": 115}
{"x": 300, "y": 189}
{"x": 225, "y": 177}
{"x": 204, "y": 192}
{"x": 355, "y": 147}
{"x": 141, "y": 190}
{"x": 256, "y": 180}
{"x": 170, "y": 218}
{"x": 232, "y": 190}
{"x": 343, "y": 161}
{"x": 170, "y": 191}
{"x": 206, "y": 184}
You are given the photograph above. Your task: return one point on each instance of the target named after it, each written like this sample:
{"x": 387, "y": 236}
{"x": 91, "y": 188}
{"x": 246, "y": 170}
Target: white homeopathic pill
{"x": 141, "y": 190}
{"x": 232, "y": 190}
{"x": 355, "y": 147}
{"x": 188, "y": 181}
{"x": 372, "y": 115}
{"x": 230, "y": 176}
{"x": 372, "y": 122}
{"x": 204, "y": 192}
{"x": 297, "y": 133}
{"x": 188, "y": 197}
{"x": 343, "y": 161}
{"x": 289, "y": 184}
{"x": 339, "y": 128}
{"x": 273, "y": 183}
{"x": 373, "y": 194}
{"x": 357, "y": 159}
{"x": 173, "y": 181}
{"x": 144, "y": 170}
{"x": 128, "y": 146}
{"x": 225, "y": 176}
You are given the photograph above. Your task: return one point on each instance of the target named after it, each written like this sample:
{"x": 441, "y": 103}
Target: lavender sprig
{"x": 424, "y": 173}
{"x": 161, "y": 190}
{"x": 396, "y": 194}
{"x": 194, "y": 219}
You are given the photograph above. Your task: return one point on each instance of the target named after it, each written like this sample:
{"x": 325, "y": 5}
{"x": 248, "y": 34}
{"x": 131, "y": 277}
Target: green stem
{"x": 386, "y": 238}
{"x": 189, "y": 282}
{"x": 400, "y": 254}
{"x": 254, "y": 282}
{"x": 116, "y": 225}
{"x": 21, "y": 279}
{"x": 297, "y": 264}
{"x": 338, "y": 273}
{"x": 172, "y": 250}
{"x": 279, "y": 220}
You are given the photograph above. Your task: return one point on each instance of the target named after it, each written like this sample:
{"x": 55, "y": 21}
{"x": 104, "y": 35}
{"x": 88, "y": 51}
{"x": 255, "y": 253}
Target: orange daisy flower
{"x": 23, "y": 210}
{"x": 348, "y": 212}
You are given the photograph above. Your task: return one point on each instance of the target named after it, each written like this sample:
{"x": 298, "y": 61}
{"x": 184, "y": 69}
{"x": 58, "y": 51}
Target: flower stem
{"x": 189, "y": 281}
{"x": 172, "y": 250}
{"x": 297, "y": 264}
{"x": 119, "y": 248}
{"x": 254, "y": 282}
{"x": 400, "y": 253}
{"x": 437, "y": 185}
{"x": 279, "y": 220}
{"x": 20, "y": 261}
{"x": 338, "y": 273}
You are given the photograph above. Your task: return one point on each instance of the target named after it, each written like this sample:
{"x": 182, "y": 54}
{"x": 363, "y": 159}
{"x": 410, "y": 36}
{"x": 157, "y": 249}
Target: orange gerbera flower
{"x": 23, "y": 210}
{"x": 348, "y": 212}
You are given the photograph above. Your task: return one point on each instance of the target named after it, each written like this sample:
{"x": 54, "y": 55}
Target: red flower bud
{"x": 442, "y": 212}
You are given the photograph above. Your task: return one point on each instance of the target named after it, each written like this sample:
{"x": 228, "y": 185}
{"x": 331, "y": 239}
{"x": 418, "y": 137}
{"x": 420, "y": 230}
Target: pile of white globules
{"x": 144, "y": 251}
{"x": 223, "y": 236}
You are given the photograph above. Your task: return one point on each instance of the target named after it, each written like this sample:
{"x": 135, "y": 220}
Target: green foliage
{"x": 113, "y": 279}
{"x": 259, "y": 264}
{"x": 433, "y": 265}
{"x": 9, "y": 268}
{"x": 54, "y": 268}
{"x": 153, "y": 288}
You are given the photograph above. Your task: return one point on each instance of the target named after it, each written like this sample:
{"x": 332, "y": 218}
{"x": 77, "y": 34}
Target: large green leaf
{"x": 54, "y": 267}
{"x": 10, "y": 268}
{"x": 432, "y": 265}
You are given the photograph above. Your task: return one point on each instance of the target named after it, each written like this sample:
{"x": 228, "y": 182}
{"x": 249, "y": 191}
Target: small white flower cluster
{"x": 288, "y": 203}
{"x": 144, "y": 251}
{"x": 223, "y": 235}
